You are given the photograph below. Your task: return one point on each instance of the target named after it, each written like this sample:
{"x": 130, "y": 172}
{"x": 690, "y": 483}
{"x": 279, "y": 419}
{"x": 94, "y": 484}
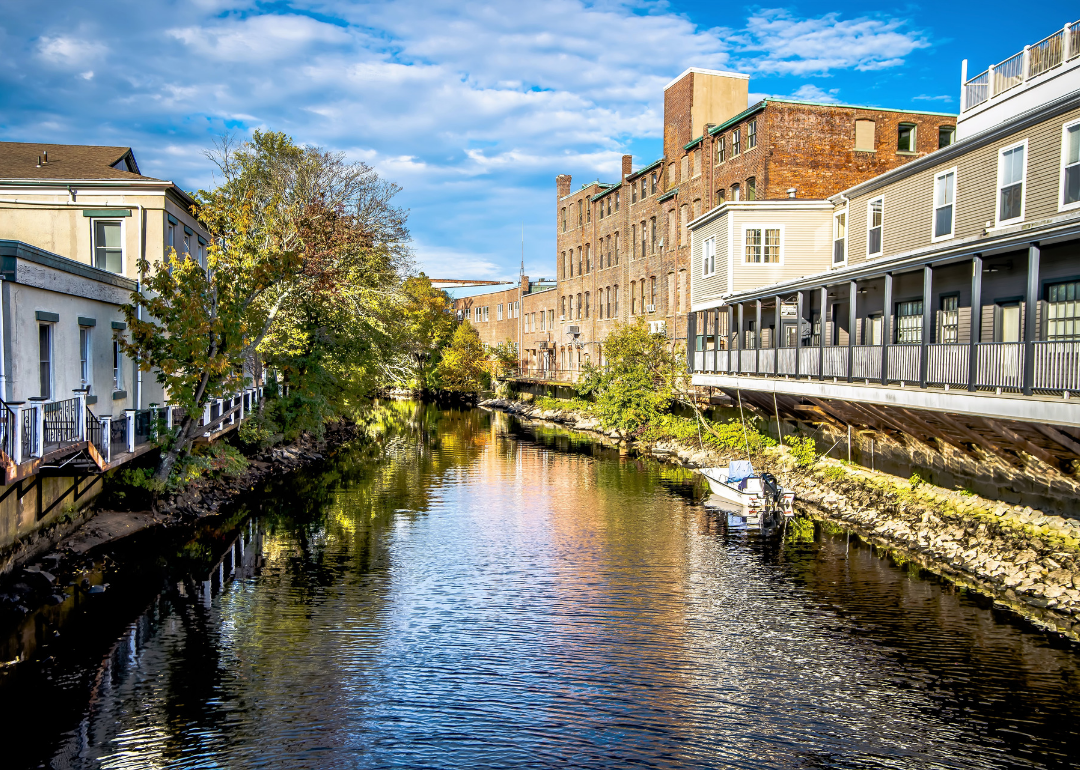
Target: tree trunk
{"x": 169, "y": 457}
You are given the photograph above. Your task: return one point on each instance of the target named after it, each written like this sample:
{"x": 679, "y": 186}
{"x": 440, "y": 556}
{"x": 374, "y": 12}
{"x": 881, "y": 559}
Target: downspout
{"x": 138, "y": 309}
{"x": 3, "y": 345}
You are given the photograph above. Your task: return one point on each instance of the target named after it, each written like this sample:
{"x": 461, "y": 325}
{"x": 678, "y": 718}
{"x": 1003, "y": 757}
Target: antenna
{"x": 522, "y": 273}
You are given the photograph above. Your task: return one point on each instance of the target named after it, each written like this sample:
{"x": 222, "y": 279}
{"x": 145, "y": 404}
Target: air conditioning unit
{"x": 650, "y": 308}
{"x": 658, "y": 327}
{"x": 562, "y": 318}
{"x": 575, "y": 330}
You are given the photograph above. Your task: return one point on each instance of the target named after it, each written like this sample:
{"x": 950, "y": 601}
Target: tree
{"x": 504, "y": 357}
{"x": 640, "y": 379}
{"x": 464, "y": 365}
{"x": 427, "y": 326}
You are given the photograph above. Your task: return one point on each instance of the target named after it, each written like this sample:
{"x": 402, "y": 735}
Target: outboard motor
{"x": 770, "y": 488}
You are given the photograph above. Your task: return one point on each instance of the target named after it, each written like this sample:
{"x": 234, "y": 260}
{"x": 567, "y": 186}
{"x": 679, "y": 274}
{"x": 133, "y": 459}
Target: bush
{"x": 216, "y": 461}
{"x": 915, "y": 481}
{"x": 834, "y": 473}
{"x": 256, "y": 432}
{"x": 802, "y": 449}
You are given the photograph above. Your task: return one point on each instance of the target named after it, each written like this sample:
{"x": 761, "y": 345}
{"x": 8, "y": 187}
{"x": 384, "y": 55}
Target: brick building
{"x": 525, "y": 314}
{"x": 622, "y": 249}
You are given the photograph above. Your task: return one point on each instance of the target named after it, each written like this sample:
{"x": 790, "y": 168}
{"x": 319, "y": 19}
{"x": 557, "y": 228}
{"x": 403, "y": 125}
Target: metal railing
{"x": 836, "y": 360}
{"x": 61, "y": 422}
{"x": 1008, "y": 74}
{"x": 29, "y": 432}
{"x": 1046, "y": 54}
{"x": 867, "y": 362}
{"x": 809, "y": 362}
{"x": 723, "y": 360}
{"x": 1000, "y": 365}
{"x": 118, "y": 432}
{"x": 904, "y": 363}
{"x": 7, "y": 430}
{"x": 1057, "y": 366}
{"x": 143, "y": 421}
{"x": 94, "y": 432}
{"x": 977, "y": 90}
{"x": 949, "y": 364}
{"x": 1043, "y": 56}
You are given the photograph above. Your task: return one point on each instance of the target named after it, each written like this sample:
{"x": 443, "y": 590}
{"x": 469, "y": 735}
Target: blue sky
{"x": 472, "y": 108}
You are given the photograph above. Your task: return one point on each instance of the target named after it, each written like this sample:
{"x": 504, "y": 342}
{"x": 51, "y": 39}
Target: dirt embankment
{"x": 41, "y": 581}
{"x": 1025, "y": 559}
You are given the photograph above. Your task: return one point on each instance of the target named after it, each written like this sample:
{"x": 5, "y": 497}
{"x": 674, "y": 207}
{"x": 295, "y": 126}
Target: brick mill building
{"x": 622, "y": 248}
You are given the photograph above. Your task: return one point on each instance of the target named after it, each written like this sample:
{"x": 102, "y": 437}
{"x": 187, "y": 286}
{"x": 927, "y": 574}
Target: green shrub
{"x": 800, "y": 530}
{"x": 803, "y": 450}
{"x": 256, "y": 432}
{"x": 915, "y": 481}
{"x": 834, "y": 473}
{"x": 216, "y": 461}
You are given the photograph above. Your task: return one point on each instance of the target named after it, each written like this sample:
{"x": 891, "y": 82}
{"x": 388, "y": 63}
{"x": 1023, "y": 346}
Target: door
{"x": 791, "y": 331}
{"x": 874, "y": 330}
{"x": 1010, "y": 323}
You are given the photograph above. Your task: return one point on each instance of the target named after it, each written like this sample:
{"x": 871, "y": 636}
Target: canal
{"x": 469, "y": 591}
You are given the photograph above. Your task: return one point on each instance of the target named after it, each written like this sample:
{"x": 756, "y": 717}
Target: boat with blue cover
{"x": 754, "y": 493}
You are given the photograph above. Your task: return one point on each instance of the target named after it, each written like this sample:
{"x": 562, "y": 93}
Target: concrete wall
{"x": 22, "y": 533}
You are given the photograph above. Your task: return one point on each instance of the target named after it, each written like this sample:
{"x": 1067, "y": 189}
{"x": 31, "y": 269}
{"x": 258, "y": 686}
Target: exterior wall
{"x": 22, "y": 533}
{"x": 64, "y": 230}
{"x": 493, "y": 331}
{"x": 908, "y": 216}
{"x": 540, "y": 339}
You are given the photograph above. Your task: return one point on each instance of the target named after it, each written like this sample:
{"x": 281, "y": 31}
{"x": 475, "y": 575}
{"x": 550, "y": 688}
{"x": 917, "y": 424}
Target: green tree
{"x": 504, "y": 358}
{"x": 464, "y": 364}
{"x": 427, "y": 324}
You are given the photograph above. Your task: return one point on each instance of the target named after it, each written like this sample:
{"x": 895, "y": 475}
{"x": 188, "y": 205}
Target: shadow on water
{"x": 462, "y": 589}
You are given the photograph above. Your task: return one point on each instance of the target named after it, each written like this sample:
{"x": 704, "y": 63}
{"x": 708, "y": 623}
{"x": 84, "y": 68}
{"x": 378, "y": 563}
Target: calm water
{"x": 474, "y": 593}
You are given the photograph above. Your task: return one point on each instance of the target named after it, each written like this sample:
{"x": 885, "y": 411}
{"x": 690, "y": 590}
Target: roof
{"x": 20, "y": 160}
{"x": 644, "y": 169}
{"x": 700, "y": 71}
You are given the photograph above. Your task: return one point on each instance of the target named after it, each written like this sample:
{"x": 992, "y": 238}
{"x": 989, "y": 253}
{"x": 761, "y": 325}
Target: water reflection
{"x": 468, "y": 591}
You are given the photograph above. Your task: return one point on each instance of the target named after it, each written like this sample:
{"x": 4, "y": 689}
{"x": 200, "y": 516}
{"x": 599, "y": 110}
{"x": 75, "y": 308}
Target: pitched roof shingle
{"x": 19, "y": 160}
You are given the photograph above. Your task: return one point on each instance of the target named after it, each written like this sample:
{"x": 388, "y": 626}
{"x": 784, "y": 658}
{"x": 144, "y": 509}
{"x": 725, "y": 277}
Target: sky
{"x": 472, "y": 108}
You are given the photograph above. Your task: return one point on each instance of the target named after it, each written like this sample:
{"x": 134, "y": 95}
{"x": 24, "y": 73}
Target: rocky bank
{"x": 1024, "y": 559}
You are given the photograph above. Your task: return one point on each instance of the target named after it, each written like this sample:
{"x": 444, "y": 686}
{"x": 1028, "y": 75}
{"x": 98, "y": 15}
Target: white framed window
{"x": 875, "y": 226}
{"x": 45, "y": 361}
{"x": 486, "y": 316}
{"x": 721, "y": 150}
{"x": 763, "y": 244}
{"x": 944, "y": 205}
{"x": 1012, "y": 171}
{"x": 118, "y": 366}
{"x": 905, "y": 137}
{"x": 751, "y": 134}
{"x": 109, "y": 244}
{"x": 1070, "y": 166}
{"x": 736, "y": 142}
{"x": 708, "y": 257}
{"x": 839, "y": 237}
{"x": 86, "y": 358}
{"x": 498, "y": 312}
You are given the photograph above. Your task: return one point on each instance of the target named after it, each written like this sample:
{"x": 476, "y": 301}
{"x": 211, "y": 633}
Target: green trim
{"x": 106, "y": 212}
{"x": 610, "y": 189}
{"x": 118, "y": 394}
{"x": 83, "y": 321}
{"x": 202, "y": 241}
{"x": 188, "y": 230}
{"x": 172, "y": 220}
{"x": 693, "y": 143}
{"x": 119, "y": 325}
{"x": 91, "y": 400}
{"x": 646, "y": 169}
{"x": 668, "y": 194}
{"x": 744, "y": 114}
{"x": 43, "y": 315}
{"x": 863, "y": 107}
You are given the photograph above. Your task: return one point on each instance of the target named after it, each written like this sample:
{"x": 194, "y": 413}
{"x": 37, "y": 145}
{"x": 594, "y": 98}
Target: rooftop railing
{"x": 1050, "y": 52}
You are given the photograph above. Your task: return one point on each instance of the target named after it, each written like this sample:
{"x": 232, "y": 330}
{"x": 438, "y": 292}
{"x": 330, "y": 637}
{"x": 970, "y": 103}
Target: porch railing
{"x": 61, "y": 422}
{"x": 7, "y": 430}
{"x": 867, "y": 362}
{"x": 787, "y": 361}
{"x": 748, "y": 361}
{"x": 94, "y": 433}
{"x": 809, "y": 362}
{"x": 949, "y": 364}
{"x": 836, "y": 361}
{"x": 29, "y": 433}
{"x": 118, "y": 432}
{"x": 1057, "y": 366}
{"x": 904, "y": 363}
{"x": 1000, "y": 365}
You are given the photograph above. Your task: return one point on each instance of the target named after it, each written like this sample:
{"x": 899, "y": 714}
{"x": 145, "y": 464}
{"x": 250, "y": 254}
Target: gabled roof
{"x": 20, "y": 160}
{"x": 644, "y": 169}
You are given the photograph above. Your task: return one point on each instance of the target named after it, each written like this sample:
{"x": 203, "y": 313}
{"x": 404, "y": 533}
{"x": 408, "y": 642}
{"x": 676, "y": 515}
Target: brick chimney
{"x": 562, "y": 185}
{"x": 627, "y": 165}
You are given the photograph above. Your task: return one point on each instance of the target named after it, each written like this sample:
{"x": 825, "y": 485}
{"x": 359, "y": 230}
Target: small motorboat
{"x": 754, "y": 493}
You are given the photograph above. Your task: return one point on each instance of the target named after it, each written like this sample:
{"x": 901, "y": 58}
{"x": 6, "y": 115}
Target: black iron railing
{"x": 118, "y": 432}
{"x": 29, "y": 433}
{"x": 93, "y": 431}
{"x": 61, "y": 422}
{"x": 143, "y": 420}
{"x": 7, "y": 430}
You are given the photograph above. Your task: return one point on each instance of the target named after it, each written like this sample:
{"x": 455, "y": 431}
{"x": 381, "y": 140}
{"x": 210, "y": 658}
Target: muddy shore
{"x": 1025, "y": 559}
{"x": 50, "y": 578}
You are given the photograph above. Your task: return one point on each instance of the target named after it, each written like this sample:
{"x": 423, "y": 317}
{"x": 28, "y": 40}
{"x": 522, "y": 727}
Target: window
{"x": 839, "y": 253}
{"x": 944, "y": 200}
{"x": 588, "y": 213}
{"x": 633, "y": 193}
{"x": 697, "y": 162}
{"x": 616, "y": 248}
{"x": 1070, "y": 171}
{"x": 762, "y": 245}
{"x": 751, "y": 189}
{"x": 562, "y": 261}
{"x": 170, "y": 233}
{"x": 1063, "y": 311}
{"x": 616, "y": 300}
{"x": 562, "y": 307}
{"x": 652, "y": 235}
{"x": 486, "y": 313}
{"x": 1012, "y": 167}
{"x": 580, "y": 262}
{"x": 551, "y": 319}
{"x": 45, "y": 360}
{"x": 905, "y": 137}
{"x": 526, "y": 322}
{"x": 117, "y": 366}
{"x": 751, "y": 136}
{"x": 609, "y": 205}
{"x": 108, "y": 246}
{"x": 721, "y": 196}
{"x": 736, "y": 142}
{"x": 579, "y": 306}
{"x": 644, "y": 238}
{"x": 642, "y": 284}
{"x": 652, "y": 292}
{"x": 86, "y": 360}
{"x": 616, "y": 201}
{"x": 864, "y": 136}
{"x": 909, "y": 322}
{"x": 735, "y": 193}
{"x": 498, "y": 311}
{"x": 875, "y": 215}
{"x": 633, "y": 241}
{"x": 721, "y": 155}
{"x": 950, "y": 319}
{"x": 580, "y": 212}
{"x": 588, "y": 257}
{"x": 652, "y": 183}
{"x": 601, "y": 209}
{"x": 708, "y": 256}
{"x": 644, "y": 188}
{"x": 633, "y": 299}
{"x": 564, "y": 219}
{"x": 946, "y": 135}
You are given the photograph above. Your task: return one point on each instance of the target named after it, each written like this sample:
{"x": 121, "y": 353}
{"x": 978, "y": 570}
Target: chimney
{"x": 525, "y": 284}
{"x": 627, "y": 166}
{"x": 562, "y": 185}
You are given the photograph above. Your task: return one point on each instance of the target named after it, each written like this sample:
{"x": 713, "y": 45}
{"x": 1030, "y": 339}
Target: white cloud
{"x": 924, "y": 98}
{"x": 473, "y": 108}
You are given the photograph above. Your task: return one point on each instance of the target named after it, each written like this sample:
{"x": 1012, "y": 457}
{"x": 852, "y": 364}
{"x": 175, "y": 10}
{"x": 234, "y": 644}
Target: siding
{"x": 909, "y": 201}
{"x": 806, "y": 247}
{"x": 711, "y": 288}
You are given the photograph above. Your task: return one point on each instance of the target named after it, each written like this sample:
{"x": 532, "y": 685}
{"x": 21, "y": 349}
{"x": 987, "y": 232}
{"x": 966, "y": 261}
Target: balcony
{"x": 984, "y": 96}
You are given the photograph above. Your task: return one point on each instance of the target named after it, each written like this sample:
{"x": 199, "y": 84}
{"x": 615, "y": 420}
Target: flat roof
{"x": 701, "y": 71}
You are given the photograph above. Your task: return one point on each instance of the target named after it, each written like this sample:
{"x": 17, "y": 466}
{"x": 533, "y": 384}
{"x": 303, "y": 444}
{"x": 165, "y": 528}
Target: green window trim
{"x": 106, "y": 212}
{"x": 119, "y": 325}
{"x": 188, "y": 230}
{"x": 44, "y": 315}
{"x": 118, "y": 394}
{"x": 87, "y": 321}
{"x": 202, "y": 241}
{"x": 91, "y": 400}
{"x": 173, "y": 220}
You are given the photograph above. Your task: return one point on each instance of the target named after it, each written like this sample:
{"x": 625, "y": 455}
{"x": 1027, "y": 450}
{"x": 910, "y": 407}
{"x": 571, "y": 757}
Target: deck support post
{"x": 886, "y": 328}
{"x": 1031, "y": 308}
{"x": 778, "y": 334}
{"x": 927, "y": 325}
{"x": 757, "y": 338}
{"x": 822, "y": 315}
{"x": 851, "y": 321}
{"x": 975, "y": 326}
{"x": 739, "y": 341}
{"x": 800, "y": 312}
